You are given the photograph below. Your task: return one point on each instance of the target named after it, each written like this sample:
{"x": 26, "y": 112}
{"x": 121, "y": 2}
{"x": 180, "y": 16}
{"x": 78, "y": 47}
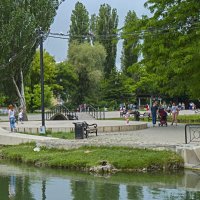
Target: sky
{"x": 61, "y": 24}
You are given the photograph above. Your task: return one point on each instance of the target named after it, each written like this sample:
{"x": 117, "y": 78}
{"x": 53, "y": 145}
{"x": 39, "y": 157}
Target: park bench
{"x": 89, "y": 128}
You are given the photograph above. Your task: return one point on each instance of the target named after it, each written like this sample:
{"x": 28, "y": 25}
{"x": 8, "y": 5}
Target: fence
{"x": 94, "y": 112}
{"x": 192, "y": 133}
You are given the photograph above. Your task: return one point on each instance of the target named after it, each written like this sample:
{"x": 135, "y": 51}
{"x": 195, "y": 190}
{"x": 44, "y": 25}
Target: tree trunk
{"x": 21, "y": 96}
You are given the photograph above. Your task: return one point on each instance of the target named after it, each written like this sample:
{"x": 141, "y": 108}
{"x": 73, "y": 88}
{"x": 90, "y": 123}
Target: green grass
{"x": 123, "y": 158}
{"x": 189, "y": 118}
{"x": 61, "y": 135}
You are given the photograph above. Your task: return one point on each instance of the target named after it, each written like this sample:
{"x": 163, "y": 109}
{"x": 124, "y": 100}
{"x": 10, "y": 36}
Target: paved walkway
{"x": 152, "y": 136}
{"x": 159, "y": 136}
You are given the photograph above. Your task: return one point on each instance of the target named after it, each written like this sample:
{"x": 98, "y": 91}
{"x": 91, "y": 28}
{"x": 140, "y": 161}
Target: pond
{"x": 20, "y": 182}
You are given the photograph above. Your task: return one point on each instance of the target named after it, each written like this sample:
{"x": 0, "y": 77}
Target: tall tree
{"x": 107, "y": 22}
{"x": 171, "y": 46}
{"x": 88, "y": 62}
{"x": 19, "y": 40}
{"x": 130, "y": 51}
{"x": 79, "y": 27}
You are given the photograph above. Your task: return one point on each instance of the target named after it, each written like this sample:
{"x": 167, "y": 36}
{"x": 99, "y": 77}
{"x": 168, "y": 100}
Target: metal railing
{"x": 60, "y": 109}
{"x": 192, "y": 133}
{"x": 95, "y": 112}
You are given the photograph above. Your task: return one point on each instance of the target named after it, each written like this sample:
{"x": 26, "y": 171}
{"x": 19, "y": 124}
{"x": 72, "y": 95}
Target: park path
{"x": 166, "y": 136}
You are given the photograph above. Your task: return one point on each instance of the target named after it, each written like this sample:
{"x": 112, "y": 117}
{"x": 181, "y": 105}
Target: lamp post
{"x": 41, "y": 33}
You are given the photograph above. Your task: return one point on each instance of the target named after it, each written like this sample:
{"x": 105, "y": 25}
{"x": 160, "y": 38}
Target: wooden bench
{"x": 90, "y": 128}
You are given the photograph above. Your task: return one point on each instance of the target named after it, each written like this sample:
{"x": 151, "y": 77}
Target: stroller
{"x": 162, "y": 117}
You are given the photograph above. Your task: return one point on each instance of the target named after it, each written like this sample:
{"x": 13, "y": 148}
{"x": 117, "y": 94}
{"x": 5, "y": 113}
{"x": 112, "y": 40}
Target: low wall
{"x": 191, "y": 155}
{"x": 101, "y": 129}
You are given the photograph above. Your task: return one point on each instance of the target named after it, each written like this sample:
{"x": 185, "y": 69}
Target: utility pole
{"x": 41, "y": 35}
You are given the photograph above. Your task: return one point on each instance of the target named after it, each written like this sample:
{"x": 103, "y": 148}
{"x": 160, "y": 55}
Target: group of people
{"x": 173, "y": 110}
{"x": 13, "y": 118}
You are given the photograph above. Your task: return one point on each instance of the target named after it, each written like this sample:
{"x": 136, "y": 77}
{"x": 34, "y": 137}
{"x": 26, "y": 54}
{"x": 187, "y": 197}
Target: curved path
{"x": 163, "y": 136}
{"x": 170, "y": 137}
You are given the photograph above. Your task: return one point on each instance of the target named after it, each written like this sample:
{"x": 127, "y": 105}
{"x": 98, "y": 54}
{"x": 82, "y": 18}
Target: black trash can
{"x": 79, "y": 130}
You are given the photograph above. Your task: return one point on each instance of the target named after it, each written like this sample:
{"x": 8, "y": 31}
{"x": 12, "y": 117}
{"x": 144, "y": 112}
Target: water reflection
{"x": 12, "y": 186}
{"x": 26, "y": 183}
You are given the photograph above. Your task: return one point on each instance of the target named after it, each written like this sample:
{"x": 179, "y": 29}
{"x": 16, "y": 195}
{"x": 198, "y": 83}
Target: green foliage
{"x": 34, "y": 97}
{"x": 50, "y": 70}
{"x": 52, "y": 87}
{"x": 3, "y": 99}
{"x": 170, "y": 46}
{"x": 67, "y": 78}
{"x": 118, "y": 89}
{"x": 106, "y": 30}
{"x": 88, "y": 62}
{"x": 79, "y": 27}
{"x": 130, "y": 50}
{"x": 19, "y": 40}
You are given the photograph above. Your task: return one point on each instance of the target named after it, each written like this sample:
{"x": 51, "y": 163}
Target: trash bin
{"x": 79, "y": 130}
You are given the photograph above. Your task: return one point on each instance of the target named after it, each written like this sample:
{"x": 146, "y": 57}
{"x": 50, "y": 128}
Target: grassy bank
{"x": 61, "y": 135}
{"x": 86, "y": 158}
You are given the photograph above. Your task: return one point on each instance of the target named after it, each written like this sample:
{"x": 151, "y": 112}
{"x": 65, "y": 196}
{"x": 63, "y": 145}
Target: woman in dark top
{"x": 154, "y": 110}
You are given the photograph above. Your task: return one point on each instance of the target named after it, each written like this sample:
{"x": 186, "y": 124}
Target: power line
{"x": 119, "y": 35}
{"x": 104, "y": 37}
{"x": 57, "y": 37}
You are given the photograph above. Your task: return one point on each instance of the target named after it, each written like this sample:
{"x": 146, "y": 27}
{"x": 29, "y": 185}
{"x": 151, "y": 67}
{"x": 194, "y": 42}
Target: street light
{"x": 41, "y": 34}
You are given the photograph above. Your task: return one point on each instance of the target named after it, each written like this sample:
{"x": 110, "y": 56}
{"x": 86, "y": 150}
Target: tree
{"x": 171, "y": 46}
{"x": 79, "y": 27}
{"x": 107, "y": 22}
{"x": 68, "y": 79}
{"x": 118, "y": 89}
{"x": 19, "y": 40}
{"x": 34, "y": 97}
{"x": 50, "y": 70}
{"x": 33, "y": 80}
{"x": 131, "y": 41}
{"x": 88, "y": 62}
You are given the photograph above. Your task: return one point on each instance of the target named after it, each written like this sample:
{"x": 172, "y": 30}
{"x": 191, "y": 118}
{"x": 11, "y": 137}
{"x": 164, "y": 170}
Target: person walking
{"x": 11, "y": 117}
{"x": 154, "y": 110}
{"x": 175, "y": 112}
{"x": 20, "y": 116}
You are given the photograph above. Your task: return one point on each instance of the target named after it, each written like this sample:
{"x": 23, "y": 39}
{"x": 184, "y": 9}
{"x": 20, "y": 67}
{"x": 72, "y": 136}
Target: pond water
{"x": 20, "y": 182}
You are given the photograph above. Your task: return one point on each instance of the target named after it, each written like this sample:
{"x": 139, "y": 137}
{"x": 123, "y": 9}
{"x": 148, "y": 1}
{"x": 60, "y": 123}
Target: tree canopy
{"x": 130, "y": 51}
{"x": 88, "y": 63}
{"x": 19, "y": 39}
{"x": 171, "y": 46}
{"x": 106, "y": 30}
{"x": 79, "y": 27}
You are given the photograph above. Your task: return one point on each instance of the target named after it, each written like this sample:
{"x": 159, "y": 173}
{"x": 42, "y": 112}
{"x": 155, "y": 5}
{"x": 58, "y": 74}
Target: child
{"x": 20, "y": 116}
{"x": 127, "y": 115}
